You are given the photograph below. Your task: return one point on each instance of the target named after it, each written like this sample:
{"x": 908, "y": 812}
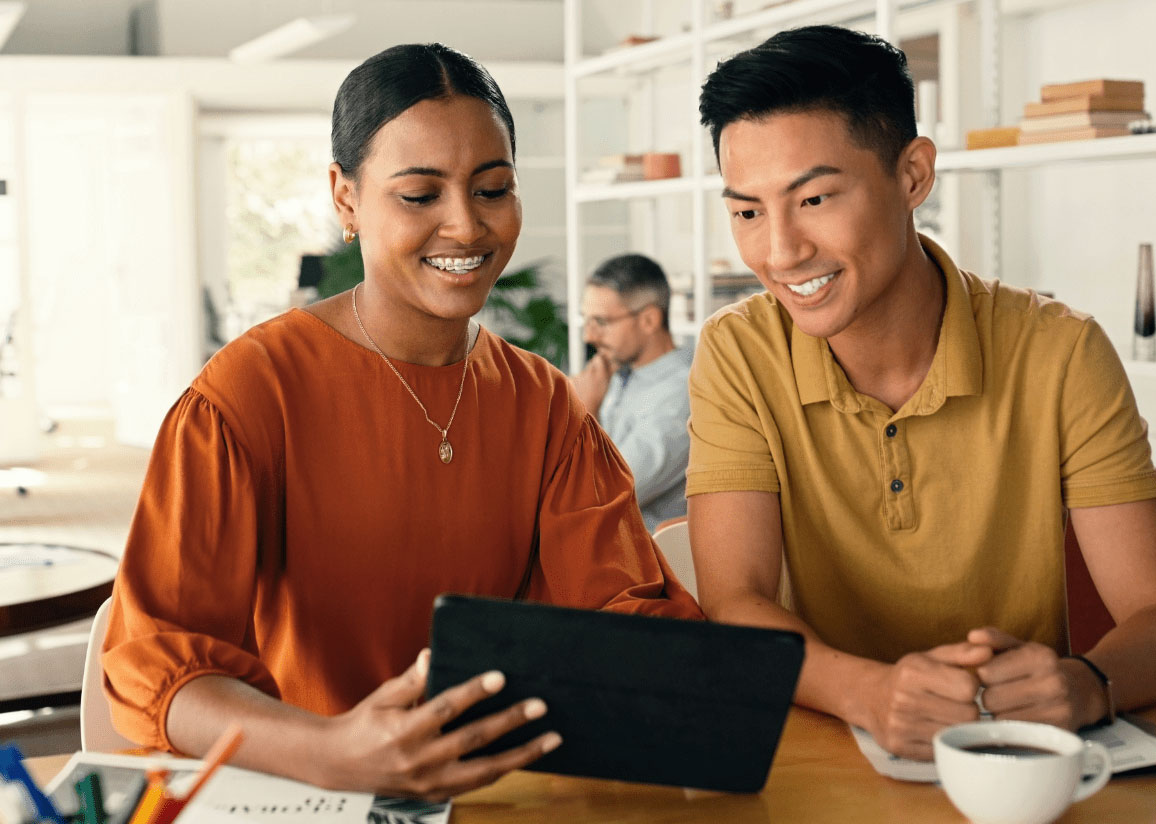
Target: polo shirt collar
{"x": 956, "y": 369}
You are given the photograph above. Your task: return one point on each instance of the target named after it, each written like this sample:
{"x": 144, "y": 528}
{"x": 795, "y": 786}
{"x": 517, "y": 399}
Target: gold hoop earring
{"x": 348, "y": 235}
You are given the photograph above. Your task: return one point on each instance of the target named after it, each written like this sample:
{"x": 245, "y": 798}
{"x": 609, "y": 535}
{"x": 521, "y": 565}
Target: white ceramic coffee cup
{"x": 1017, "y": 789}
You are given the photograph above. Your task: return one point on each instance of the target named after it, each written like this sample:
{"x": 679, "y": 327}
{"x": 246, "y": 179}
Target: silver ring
{"x": 979, "y": 702}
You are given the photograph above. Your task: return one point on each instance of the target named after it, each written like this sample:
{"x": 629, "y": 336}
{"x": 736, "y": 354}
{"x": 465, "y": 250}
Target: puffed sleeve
{"x": 594, "y": 549}
{"x": 183, "y": 599}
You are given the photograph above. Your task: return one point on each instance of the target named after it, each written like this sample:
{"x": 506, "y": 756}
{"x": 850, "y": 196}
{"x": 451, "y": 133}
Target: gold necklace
{"x": 445, "y": 451}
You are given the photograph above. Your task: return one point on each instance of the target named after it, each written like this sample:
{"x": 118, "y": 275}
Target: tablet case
{"x": 635, "y": 698}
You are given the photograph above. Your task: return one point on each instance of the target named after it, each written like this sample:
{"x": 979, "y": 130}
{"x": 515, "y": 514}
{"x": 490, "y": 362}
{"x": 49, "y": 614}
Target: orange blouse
{"x": 296, "y": 523}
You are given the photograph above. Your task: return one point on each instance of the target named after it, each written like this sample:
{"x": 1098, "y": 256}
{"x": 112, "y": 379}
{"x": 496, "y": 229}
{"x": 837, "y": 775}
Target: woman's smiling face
{"x": 436, "y": 206}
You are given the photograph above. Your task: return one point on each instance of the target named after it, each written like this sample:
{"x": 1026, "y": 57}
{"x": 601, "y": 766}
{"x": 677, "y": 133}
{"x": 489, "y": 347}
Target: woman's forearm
{"x": 279, "y": 738}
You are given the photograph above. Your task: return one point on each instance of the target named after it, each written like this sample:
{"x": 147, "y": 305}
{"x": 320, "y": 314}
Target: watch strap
{"x": 1105, "y": 683}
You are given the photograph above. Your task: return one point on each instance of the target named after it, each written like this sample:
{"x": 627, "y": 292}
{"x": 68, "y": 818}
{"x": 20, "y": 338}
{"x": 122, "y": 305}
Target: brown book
{"x": 1101, "y": 87}
{"x": 1081, "y": 120}
{"x": 1060, "y": 135}
{"x": 1089, "y": 103}
{"x": 993, "y": 138}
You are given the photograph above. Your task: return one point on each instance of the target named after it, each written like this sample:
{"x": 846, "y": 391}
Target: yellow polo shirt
{"x": 904, "y": 530}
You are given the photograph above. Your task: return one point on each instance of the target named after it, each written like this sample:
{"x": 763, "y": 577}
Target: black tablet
{"x": 635, "y": 698}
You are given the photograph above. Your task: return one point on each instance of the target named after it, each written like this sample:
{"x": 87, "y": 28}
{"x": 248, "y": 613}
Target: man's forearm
{"x": 1127, "y": 654}
{"x": 831, "y": 681}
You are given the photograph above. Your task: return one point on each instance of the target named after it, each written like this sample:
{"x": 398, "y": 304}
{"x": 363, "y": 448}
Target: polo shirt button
{"x": 890, "y": 430}
{"x": 897, "y": 485}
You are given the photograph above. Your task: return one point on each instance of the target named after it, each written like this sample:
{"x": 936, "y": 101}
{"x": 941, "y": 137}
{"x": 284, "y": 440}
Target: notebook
{"x": 635, "y": 698}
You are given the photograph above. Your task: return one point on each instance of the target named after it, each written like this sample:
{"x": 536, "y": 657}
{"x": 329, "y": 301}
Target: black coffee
{"x": 1019, "y": 750}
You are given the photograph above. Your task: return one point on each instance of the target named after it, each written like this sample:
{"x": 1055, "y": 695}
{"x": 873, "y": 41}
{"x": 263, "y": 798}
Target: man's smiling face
{"x": 816, "y": 217}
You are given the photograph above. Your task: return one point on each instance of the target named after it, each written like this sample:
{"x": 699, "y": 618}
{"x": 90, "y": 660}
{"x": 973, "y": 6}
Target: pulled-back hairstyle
{"x": 818, "y": 68}
{"x": 635, "y": 276}
{"x": 390, "y": 82}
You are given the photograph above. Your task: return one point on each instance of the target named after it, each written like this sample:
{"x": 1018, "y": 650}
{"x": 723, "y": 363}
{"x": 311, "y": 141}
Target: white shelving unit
{"x": 632, "y": 66}
{"x": 1048, "y": 154}
{"x": 992, "y": 163}
{"x": 691, "y": 47}
{"x": 589, "y": 193}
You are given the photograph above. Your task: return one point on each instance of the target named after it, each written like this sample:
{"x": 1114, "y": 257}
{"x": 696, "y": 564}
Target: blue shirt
{"x": 645, "y": 413}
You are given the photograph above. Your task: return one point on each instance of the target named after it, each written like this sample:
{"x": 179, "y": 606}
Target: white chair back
{"x": 96, "y": 730}
{"x": 673, "y": 538}
{"x": 674, "y": 541}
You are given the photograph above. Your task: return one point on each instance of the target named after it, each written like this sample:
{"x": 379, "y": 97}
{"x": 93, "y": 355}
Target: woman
{"x": 333, "y": 470}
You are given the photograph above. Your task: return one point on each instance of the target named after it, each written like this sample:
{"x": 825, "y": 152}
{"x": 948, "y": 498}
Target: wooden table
{"x": 65, "y": 584}
{"x": 818, "y": 776}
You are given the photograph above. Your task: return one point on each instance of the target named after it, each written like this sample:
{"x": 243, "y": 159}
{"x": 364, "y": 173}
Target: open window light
{"x": 294, "y": 35}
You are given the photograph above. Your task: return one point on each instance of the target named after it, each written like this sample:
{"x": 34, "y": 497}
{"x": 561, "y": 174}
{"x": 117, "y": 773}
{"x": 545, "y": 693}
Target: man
{"x": 635, "y": 385}
{"x": 908, "y": 436}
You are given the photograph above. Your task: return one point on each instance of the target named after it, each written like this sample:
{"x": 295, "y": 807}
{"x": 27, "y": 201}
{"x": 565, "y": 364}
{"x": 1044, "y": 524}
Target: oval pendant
{"x": 445, "y": 452}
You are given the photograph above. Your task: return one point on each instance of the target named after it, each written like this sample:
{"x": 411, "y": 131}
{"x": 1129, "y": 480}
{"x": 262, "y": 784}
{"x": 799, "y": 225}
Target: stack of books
{"x": 1083, "y": 110}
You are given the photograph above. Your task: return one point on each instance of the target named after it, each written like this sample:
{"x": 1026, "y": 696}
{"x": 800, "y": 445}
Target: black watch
{"x": 1105, "y": 682}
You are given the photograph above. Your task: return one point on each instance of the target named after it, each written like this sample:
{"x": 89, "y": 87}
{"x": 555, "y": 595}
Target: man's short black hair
{"x": 637, "y": 279}
{"x": 818, "y": 68}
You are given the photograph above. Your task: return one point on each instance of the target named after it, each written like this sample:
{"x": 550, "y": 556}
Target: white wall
{"x": 541, "y": 180}
{"x": 212, "y": 197}
{"x": 490, "y": 30}
{"x": 68, "y": 185}
{"x": 1082, "y": 223}
{"x": 18, "y": 413}
{"x": 122, "y": 203}
{"x": 279, "y": 86}
{"x": 72, "y": 27}
{"x": 111, "y": 257}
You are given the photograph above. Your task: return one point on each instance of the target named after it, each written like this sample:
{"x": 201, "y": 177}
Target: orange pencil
{"x": 167, "y": 808}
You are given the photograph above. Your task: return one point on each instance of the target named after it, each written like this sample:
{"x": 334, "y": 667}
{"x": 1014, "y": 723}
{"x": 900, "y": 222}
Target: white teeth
{"x": 811, "y": 286}
{"x": 456, "y": 265}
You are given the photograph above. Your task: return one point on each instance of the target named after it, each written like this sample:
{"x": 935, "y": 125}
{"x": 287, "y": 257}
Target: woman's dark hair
{"x": 818, "y": 68}
{"x": 390, "y": 82}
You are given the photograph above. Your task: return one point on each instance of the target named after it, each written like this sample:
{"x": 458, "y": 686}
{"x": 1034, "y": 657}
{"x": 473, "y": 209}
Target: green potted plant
{"x": 528, "y": 317}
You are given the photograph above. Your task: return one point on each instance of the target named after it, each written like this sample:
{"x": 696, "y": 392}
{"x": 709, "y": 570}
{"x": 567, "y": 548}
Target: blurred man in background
{"x": 635, "y": 385}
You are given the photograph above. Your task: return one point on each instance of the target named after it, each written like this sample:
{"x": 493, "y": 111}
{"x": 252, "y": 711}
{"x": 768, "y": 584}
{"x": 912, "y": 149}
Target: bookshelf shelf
{"x": 634, "y": 74}
{"x": 591, "y": 192}
{"x": 799, "y": 11}
{"x": 676, "y": 48}
{"x": 1130, "y": 147}
{"x": 637, "y": 58}
{"x": 978, "y": 160}
{"x": 1047, "y": 154}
